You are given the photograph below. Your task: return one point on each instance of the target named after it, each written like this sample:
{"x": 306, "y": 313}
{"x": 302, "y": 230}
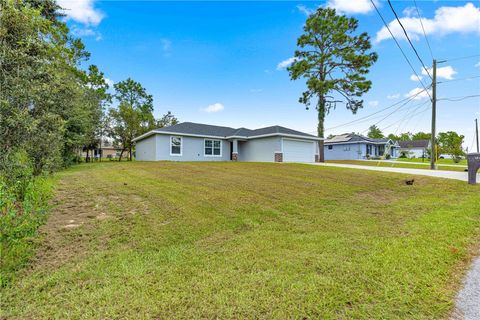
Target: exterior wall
{"x": 413, "y": 152}
{"x": 351, "y": 151}
{"x": 145, "y": 149}
{"x": 192, "y": 149}
{"x": 259, "y": 150}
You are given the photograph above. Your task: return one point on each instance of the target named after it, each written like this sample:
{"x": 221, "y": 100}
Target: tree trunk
{"x": 130, "y": 151}
{"x": 321, "y": 128}
{"x": 121, "y": 154}
{"x": 86, "y": 156}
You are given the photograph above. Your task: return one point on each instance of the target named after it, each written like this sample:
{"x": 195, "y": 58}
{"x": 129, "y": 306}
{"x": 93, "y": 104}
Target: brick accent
{"x": 278, "y": 157}
{"x": 317, "y": 158}
{"x": 234, "y": 156}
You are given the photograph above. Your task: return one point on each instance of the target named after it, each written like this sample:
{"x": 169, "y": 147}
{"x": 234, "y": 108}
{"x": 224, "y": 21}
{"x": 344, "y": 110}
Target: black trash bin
{"x": 473, "y": 166}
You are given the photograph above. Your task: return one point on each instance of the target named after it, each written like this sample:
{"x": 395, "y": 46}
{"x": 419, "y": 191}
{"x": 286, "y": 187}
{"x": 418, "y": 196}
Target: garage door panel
{"x": 298, "y": 151}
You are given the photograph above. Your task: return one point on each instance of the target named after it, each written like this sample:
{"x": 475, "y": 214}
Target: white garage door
{"x": 298, "y": 151}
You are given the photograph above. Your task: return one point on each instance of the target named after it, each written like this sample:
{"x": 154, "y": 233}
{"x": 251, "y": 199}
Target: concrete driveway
{"x": 456, "y": 175}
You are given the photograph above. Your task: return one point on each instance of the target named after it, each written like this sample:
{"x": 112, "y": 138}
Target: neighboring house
{"x": 414, "y": 148}
{"x": 106, "y": 149}
{"x": 189, "y": 141}
{"x": 351, "y": 146}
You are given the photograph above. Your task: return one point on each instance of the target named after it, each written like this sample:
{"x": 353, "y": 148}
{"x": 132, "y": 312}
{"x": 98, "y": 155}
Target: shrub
{"x": 19, "y": 222}
{"x": 16, "y": 170}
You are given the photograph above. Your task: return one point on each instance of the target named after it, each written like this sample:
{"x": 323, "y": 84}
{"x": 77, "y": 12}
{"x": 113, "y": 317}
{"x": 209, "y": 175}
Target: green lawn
{"x": 394, "y": 164}
{"x": 173, "y": 240}
{"x": 439, "y": 161}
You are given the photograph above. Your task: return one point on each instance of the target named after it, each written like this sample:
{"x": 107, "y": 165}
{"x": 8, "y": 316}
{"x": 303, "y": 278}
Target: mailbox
{"x": 473, "y": 166}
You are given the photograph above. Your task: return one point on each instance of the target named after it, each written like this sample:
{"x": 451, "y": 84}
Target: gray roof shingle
{"x": 209, "y": 130}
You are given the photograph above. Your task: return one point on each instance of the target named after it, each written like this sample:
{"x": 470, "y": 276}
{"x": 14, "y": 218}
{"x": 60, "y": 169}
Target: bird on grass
{"x": 410, "y": 182}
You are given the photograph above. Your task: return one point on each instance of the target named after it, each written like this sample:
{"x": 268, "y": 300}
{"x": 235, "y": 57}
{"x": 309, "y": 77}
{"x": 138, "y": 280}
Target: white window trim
{"x": 212, "y": 155}
{"x": 181, "y": 147}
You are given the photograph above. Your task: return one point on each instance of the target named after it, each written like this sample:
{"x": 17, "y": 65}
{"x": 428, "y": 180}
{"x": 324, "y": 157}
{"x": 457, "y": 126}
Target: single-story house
{"x": 190, "y": 141}
{"x": 352, "y": 146}
{"x": 105, "y": 150}
{"x": 414, "y": 148}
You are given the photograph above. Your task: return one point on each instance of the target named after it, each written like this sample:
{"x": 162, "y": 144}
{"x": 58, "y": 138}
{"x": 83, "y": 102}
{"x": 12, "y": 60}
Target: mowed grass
{"x": 394, "y": 164}
{"x": 439, "y": 161}
{"x": 247, "y": 240}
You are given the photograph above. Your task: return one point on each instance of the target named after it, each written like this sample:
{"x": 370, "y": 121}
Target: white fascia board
{"x": 145, "y": 135}
{"x": 176, "y": 134}
{"x": 286, "y": 135}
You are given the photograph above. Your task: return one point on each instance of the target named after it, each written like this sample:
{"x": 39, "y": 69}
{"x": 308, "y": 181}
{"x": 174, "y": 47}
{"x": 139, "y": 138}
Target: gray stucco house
{"x": 351, "y": 146}
{"x": 190, "y": 141}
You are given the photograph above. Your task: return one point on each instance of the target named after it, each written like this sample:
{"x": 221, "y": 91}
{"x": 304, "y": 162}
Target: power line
{"x": 423, "y": 29}
{"x": 408, "y": 38}
{"x": 408, "y": 116}
{"x": 461, "y": 79}
{"x": 461, "y": 58}
{"x": 460, "y": 98}
{"x": 422, "y": 111}
{"x": 377, "y": 112}
{"x": 388, "y": 115}
{"x": 398, "y": 45}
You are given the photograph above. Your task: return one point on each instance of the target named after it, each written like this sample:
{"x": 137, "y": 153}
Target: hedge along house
{"x": 190, "y": 141}
{"x": 351, "y": 146}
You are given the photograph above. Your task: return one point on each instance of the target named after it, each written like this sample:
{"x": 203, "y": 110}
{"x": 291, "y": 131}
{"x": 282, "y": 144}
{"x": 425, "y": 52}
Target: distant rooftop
{"x": 353, "y": 137}
{"x": 414, "y": 144}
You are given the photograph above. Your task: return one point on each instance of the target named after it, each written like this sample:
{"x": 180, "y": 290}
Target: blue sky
{"x": 221, "y": 62}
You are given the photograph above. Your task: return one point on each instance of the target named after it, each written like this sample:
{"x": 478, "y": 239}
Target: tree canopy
{"x": 450, "y": 143}
{"x": 374, "y": 132}
{"x": 333, "y": 59}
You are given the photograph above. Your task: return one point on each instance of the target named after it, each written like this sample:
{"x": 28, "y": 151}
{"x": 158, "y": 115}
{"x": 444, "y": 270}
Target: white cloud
{"x": 110, "y": 82}
{"x": 286, "y": 63}
{"x": 305, "y": 10}
{"x": 86, "y": 32}
{"x": 413, "y": 77}
{"x": 444, "y": 72}
{"x": 462, "y": 19}
{"x": 409, "y": 11}
{"x": 393, "y": 96}
{"x": 373, "y": 103}
{"x": 477, "y": 65}
{"x": 351, "y": 6}
{"x": 418, "y": 94}
{"x": 82, "y": 11}
{"x": 166, "y": 44}
{"x": 216, "y": 107}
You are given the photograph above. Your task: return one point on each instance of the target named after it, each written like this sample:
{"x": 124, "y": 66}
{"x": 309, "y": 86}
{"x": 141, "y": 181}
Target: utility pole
{"x": 433, "y": 154}
{"x": 476, "y": 130}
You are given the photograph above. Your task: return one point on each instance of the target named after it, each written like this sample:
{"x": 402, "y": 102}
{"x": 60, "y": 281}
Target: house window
{"x": 330, "y": 147}
{"x": 213, "y": 148}
{"x": 175, "y": 146}
{"x": 346, "y": 149}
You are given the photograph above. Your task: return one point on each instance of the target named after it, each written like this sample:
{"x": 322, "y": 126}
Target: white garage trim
{"x": 301, "y": 156}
